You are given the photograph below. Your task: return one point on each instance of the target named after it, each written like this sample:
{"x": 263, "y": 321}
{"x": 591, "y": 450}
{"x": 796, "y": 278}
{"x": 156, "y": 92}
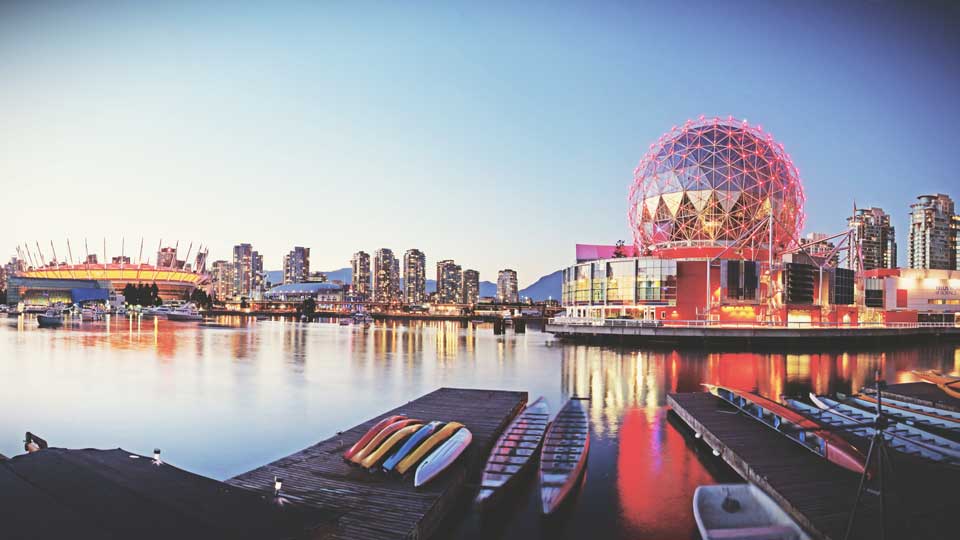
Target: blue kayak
{"x": 411, "y": 443}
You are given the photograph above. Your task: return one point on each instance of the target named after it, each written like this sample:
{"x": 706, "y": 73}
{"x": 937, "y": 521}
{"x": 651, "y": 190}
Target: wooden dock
{"x": 817, "y": 494}
{"x": 378, "y": 506}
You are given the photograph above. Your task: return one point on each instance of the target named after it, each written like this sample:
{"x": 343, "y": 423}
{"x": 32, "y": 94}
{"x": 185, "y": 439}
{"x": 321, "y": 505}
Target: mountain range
{"x": 544, "y": 288}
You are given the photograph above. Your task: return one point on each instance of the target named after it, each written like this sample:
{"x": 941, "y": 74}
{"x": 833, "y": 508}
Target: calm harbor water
{"x": 220, "y": 401}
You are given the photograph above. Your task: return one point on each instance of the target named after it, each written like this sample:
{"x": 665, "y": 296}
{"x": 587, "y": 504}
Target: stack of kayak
{"x": 562, "y": 447}
{"x": 397, "y": 444}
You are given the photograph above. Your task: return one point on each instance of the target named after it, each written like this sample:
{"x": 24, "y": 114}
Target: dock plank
{"x": 385, "y": 506}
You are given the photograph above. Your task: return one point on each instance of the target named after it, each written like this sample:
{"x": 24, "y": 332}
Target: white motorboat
{"x": 186, "y": 312}
{"x": 741, "y": 512}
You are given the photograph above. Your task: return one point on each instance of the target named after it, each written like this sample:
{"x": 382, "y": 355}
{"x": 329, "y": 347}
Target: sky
{"x": 496, "y": 134}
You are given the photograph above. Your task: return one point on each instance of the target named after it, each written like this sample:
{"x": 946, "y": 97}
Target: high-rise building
{"x": 955, "y": 225}
{"x": 414, "y": 277}
{"x": 448, "y": 282}
{"x": 507, "y": 286}
{"x": 470, "y": 291}
{"x": 167, "y": 257}
{"x": 360, "y": 264}
{"x": 223, "y": 283}
{"x": 200, "y": 264}
{"x": 823, "y": 248}
{"x": 296, "y": 265}
{"x": 242, "y": 269}
{"x": 933, "y": 243}
{"x": 386, "y": 276}
{"x": 257, "y": 276}
{"x": 874, "y": 237}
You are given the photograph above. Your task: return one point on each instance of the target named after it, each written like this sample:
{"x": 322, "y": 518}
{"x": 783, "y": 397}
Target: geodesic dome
{"x": 707, "y": 182}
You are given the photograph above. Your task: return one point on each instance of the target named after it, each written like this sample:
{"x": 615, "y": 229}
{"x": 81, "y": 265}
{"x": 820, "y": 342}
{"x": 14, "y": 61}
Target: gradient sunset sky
{"x": 496, "y": 134}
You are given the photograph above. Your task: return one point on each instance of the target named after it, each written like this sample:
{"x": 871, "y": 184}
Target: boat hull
{"x": 380, "y": 437}
{"x": 514, "y": 451}
{"x": 370, "y": 434}
{"x": 754, "y": 516}
{"x": 48, "y": 321}
{"x": 432, "y": 442}
{"x": 564, "y": 454}
{"x": 377, "y": 455}
{"x": 442, "y": 457}
{"x": 410, "y": 445}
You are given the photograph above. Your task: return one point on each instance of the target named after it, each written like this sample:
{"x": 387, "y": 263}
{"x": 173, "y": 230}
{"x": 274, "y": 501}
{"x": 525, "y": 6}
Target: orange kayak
{"x": 369, "y": 435}
{"x": 802, "y": 430}
{"x": 383, "y": 435}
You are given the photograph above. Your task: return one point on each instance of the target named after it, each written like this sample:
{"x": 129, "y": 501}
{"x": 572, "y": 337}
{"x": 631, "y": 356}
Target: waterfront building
{"x": 449, "y": 282}
{"x": 874, "y": 237}
{"x": 327, "y": 295}
{"x": 296, "y": 265}
{"x": 915, "y": 295}
{"x": 242, "y": 269}
{"x": 316, "y": 277}
{"x": 414, "y": 277}
{"x": 822, "y": 250}
{"x": 92, "y": 259}
{"x": 470, "y": 291}
{"x": 360, "y": 280}
{"x": 932, "y": 233}
{"x": 507, "y": 292}
{"x": 223, "y": 280}
{"x": 386, "y": 276}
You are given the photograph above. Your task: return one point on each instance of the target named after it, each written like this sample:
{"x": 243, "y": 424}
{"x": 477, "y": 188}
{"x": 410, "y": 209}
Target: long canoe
{"x": 370, "y": 434}
{"x": 393, "y": 441}
{"x": 411, "y": 443}
{"x": 950, "y": 385}
{"x": 513, "y": 452}
{"x": 442, "y": 457}
{"x": 378, "y": 439}
{"x": 432, "y": 442}
{"x": 949, "y": 419}
{"x": 901, "y": 437}
{"x": 795, "y": 426}
{"x": 564, "y": 454}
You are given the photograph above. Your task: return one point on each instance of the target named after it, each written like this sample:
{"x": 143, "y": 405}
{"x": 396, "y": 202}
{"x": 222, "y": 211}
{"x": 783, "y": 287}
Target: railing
{"x": 651, "y": 323}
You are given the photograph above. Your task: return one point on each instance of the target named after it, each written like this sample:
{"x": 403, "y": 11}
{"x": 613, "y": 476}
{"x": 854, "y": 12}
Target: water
{"x": 221, "y": 401}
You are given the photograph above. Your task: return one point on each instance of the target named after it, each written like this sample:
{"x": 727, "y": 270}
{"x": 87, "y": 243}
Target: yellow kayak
{"x": 382, "y": 436}
{"x": 388, "y": 445}
{"x": 441, "y": 435}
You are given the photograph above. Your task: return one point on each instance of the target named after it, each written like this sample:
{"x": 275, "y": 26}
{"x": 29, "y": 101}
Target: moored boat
{"x": 442, "y": 457}
{"x": 741, "y": 512}
{"x": 410, "y": 444}
{"x": 50, "y": 319}
{"x": 945, "y": 419}
{"x": 386, "y": 446}
{"x": 795, "y": 426}
{"x": 564, "y": 454}
{"x": 949, "y": 384}
{"x": 370, "y": 434}
{"x": 185, "y": 313}
{"x": 513, "y": 452}
{"x": 432, "y": 442}
{"x": 380, "y": 437}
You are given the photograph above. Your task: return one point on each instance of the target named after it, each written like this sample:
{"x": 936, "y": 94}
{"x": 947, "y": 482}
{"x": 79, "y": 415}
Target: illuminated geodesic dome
{"x": 712, "y": 181}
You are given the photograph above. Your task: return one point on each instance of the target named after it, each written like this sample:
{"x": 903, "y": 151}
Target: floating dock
{"x": 814, "y": 492}
{"x": 378, "y": 506}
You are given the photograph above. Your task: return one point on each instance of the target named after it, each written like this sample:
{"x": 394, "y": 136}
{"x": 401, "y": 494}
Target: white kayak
{"x": 741, "y": 512}
{"x": 442, "y": 457}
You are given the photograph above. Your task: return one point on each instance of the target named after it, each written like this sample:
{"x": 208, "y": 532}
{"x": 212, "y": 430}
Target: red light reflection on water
{"x": 656, "y": 475}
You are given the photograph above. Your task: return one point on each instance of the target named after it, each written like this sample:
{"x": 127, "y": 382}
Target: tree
{"x": 619, "y": 252}
{"x": 243, "y": 302}
{"x": 309, "y": 307}
{"x": 155, "y": 295}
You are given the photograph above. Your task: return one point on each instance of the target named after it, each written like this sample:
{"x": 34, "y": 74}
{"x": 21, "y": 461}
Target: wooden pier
{"x": 816, "y": 493}
{"x": 378, "y": 506}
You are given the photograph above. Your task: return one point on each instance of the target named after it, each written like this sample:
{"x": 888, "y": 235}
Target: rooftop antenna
{"x": 186, "y": 259}
{"x": 42, "y": 261}
{"x": 140, "y": 256}
{"x": 69, "y": 252}
{"x": 176, "y": 249}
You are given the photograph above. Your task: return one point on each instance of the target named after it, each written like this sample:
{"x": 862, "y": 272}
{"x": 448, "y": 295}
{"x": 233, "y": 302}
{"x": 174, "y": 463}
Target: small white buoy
{"x": 716, "y": 453}
{"x": 697, "y": 435}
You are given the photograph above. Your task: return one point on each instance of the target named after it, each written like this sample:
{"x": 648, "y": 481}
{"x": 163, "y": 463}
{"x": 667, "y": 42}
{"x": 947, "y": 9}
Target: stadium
{"x": 58, "y": 282}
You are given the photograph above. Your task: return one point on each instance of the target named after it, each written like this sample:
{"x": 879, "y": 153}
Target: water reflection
{"x": 226, "y": 397}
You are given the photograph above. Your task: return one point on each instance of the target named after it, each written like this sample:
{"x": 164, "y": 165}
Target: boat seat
{"x": 772, "y": 532}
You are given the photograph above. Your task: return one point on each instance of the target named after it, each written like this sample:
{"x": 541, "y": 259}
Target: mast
{"x": 69, "y": 252}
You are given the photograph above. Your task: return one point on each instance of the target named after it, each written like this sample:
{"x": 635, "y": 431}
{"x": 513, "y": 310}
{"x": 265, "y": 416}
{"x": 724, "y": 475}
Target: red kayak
{"x": 383, "y": 435}
{"x": 365, "y": 440}
{"x": 803, "y": 430}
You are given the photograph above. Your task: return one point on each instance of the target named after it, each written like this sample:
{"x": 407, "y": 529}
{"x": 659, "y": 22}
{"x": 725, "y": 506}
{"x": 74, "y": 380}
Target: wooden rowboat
{"x": 950, "y": 385}
{"x": 370, "y": 434}
{"x": 795, "y": 426}
{"x": 432, "y": 442}
{"x": 741, "y": 512}
{"x": 564, "y": 454}
{"x": 516, "y": 448}
{"x": 442, "y": 457}
{"x": 378, "y": 439}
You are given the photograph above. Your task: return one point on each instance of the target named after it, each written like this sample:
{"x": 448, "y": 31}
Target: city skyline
{"x": 473, "y": 106}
